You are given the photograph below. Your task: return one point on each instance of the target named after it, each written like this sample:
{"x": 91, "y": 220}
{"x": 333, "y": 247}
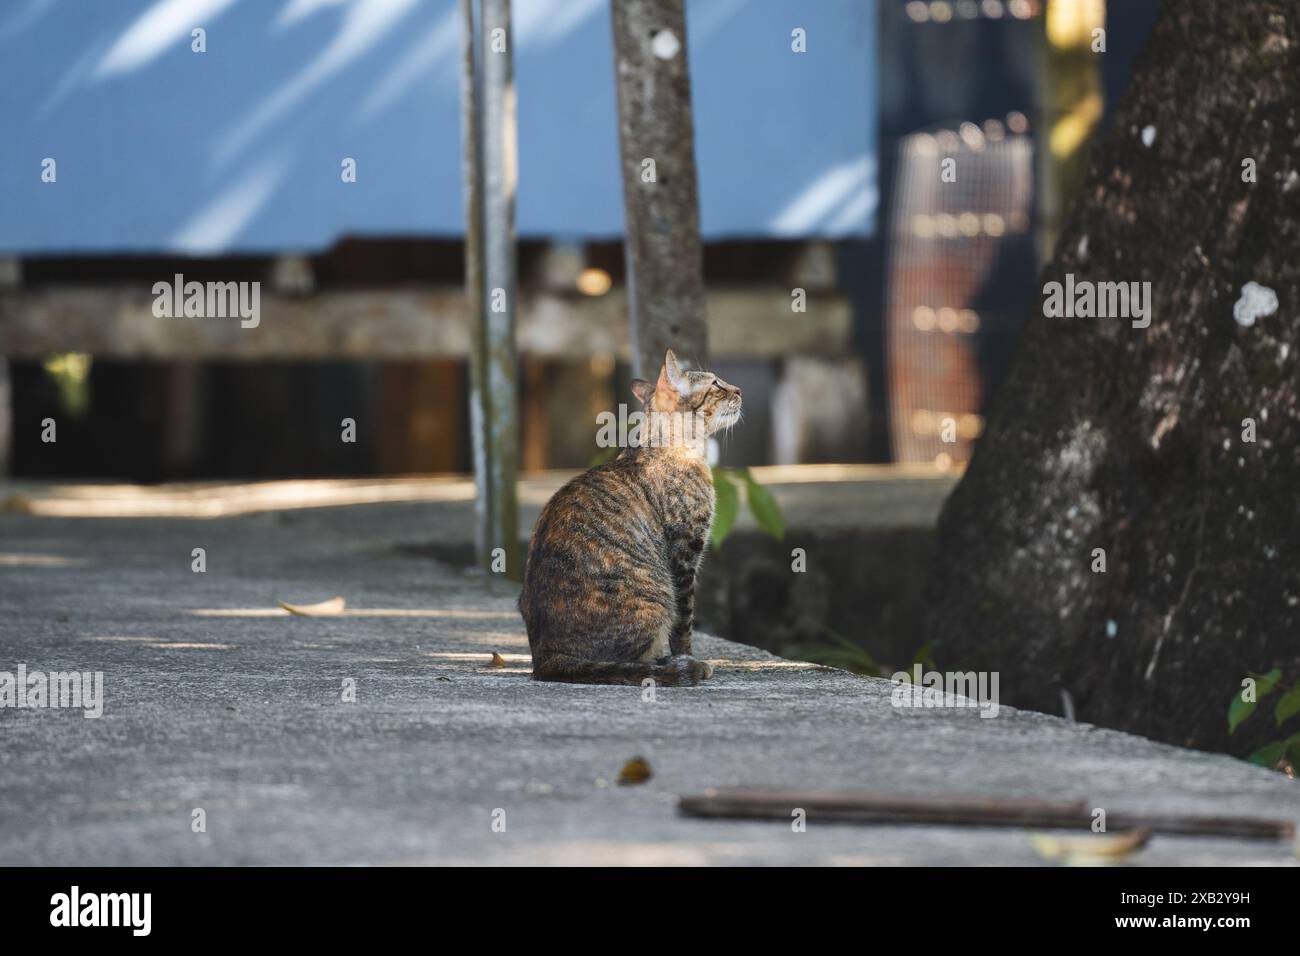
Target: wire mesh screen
{"x": 960, "y": 252}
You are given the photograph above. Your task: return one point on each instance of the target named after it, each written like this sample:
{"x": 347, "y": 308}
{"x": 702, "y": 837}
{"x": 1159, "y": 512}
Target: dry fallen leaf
{"x": 20, "y": 503}
{"x": 1095, "y": 848}
{"x": 323, "y": 609}
{"x": 636, "y": 770}
{"x": 498, "y": 660}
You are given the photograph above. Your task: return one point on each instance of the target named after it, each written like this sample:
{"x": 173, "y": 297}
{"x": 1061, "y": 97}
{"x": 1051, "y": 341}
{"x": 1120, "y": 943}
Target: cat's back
{"x": 597, "y": 522}
{"x": 615, "y": 496}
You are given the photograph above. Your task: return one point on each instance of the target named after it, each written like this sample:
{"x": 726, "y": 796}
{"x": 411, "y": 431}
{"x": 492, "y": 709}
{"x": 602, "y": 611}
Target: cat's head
{"x": 701, "y": 395}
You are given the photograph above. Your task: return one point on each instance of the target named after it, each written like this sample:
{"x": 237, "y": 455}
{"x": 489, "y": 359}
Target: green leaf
{"x": 1239, "y": 709}
{"x": 1271, "y": 754}
{"x": 1265, "y": 683}
{"x": 837, "y": 651}
{"x": 856, "y": 660}
{"x": 725, "y": 509}
{"x": 763, "y": 506}
{"x": 1288, "y": 705}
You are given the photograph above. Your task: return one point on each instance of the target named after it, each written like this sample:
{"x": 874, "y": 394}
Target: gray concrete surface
{"x": 214, "y": 700}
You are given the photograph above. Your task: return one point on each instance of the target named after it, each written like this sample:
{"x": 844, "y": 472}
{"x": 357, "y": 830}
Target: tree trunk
{"x": 665, "y": 270}
{"x": 1134, "y": 440}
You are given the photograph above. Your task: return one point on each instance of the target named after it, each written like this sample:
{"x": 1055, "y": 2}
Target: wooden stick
{"x": 851, "y": 807}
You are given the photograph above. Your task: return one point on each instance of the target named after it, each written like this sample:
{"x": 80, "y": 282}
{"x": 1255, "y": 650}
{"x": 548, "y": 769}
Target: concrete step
{"x": 216, "y": 699}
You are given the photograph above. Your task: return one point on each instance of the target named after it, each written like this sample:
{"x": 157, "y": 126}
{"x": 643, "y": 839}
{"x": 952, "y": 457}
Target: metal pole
{"x": 488, "y": 130}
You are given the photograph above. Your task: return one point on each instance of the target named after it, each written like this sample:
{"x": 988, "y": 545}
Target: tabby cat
{"x": 609, "y": 588}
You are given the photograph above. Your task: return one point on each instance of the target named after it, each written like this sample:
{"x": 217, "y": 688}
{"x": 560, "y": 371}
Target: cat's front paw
{"x": 691, "y": 669}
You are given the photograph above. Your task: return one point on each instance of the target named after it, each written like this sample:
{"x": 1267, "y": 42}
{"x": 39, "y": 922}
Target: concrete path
{"x": 217, "y": 700}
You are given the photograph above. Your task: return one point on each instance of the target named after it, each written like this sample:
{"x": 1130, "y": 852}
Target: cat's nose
{"x": 738, "y": 392}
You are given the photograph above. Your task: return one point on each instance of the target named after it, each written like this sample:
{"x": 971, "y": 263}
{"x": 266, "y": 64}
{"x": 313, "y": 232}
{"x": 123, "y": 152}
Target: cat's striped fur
{"x": 609, "y": 588}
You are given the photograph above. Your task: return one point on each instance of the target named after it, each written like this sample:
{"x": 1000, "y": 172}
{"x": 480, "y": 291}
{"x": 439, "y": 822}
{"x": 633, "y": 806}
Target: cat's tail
{"x": 680, "y": 671}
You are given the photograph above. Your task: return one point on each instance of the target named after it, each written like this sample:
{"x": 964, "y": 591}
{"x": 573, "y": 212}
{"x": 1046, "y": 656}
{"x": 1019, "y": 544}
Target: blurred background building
{"x": 819, "y": 170}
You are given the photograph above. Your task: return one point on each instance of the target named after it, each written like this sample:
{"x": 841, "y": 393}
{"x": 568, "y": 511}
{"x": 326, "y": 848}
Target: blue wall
{"x": 238, "y": 149}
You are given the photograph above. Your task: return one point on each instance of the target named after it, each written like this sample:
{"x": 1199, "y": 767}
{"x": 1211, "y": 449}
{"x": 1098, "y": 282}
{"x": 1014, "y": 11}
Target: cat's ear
{"x": 643, "y": 390}
{"x": 673, "y": 372}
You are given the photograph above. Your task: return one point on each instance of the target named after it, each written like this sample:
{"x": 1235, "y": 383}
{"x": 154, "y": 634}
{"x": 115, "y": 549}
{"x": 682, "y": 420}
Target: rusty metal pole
{"x": 488, "y": 132}
{"x": 664, "y": 260}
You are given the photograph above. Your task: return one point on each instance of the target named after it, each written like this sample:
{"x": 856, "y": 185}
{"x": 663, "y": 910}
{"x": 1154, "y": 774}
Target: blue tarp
{"x": 239, "y": 149}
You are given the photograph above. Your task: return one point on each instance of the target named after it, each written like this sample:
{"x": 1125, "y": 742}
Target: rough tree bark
{"x": 1131, "y": 439}
{"x": 665, "y": 267}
